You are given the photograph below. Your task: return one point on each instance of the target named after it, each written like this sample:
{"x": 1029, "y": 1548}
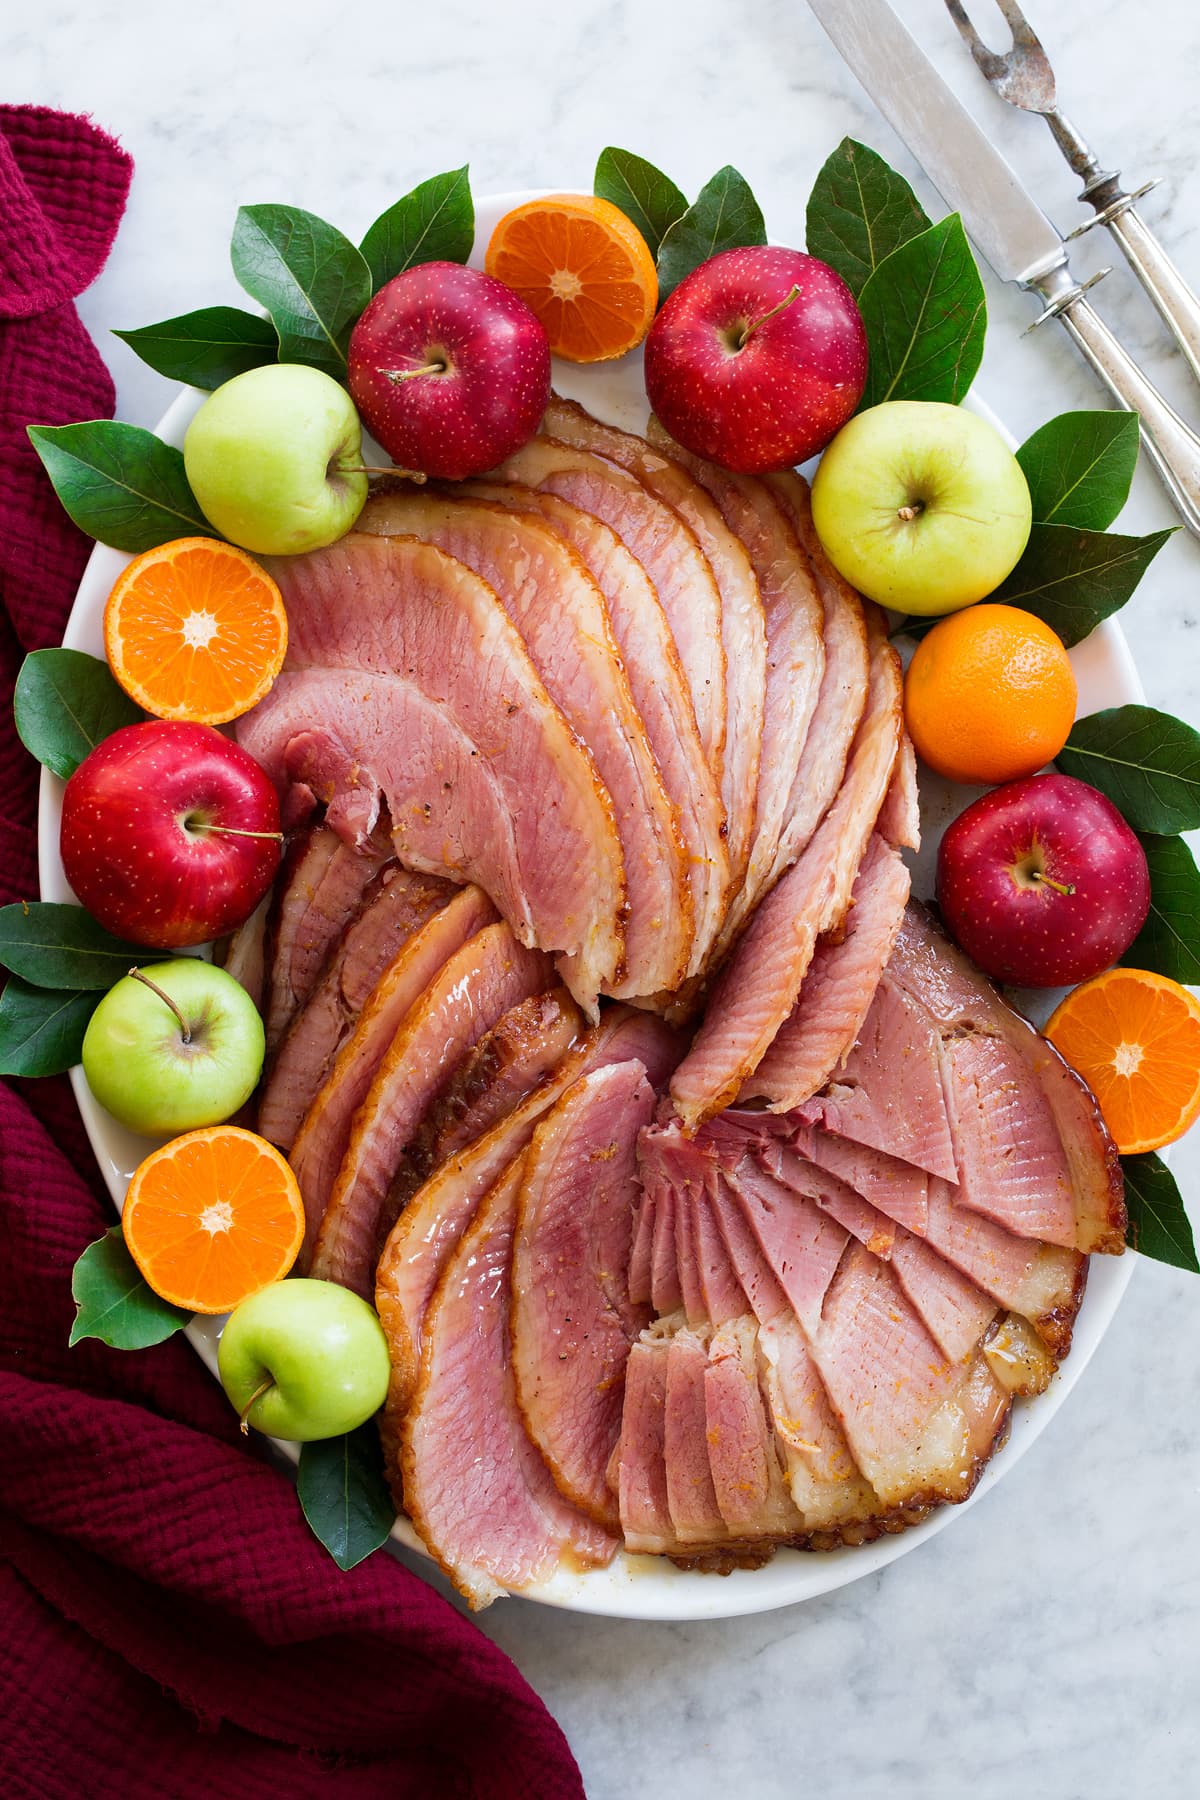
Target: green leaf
{"x": 723, "y": 216}
{"x": 435, "y": 223}
{"x": 120, "y": 484}
{"x": 41, "y": 1029}
{"x": 116, "y": 1304}
{"x": 1073, "y": 579}
{"x": 1158, "y": 1222}
{"x": 55, "y": 946}
{"x": 859, "y": 211}
{"x": 344, "y": 1494}
{"x": 642, "y": 192}
{"x": 925, "y": 314}
{"x": 1079, "y": 467}
{"x": 1169, "y": 941}
{"x": 207, "y": 347}
{"x": 65, "y": 703}
{"x": 1147, "y": 762}
{"x": 310, "y": 278}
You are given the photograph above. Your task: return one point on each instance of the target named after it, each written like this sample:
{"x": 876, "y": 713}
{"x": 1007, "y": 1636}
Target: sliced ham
{"x": 572, "y": 1318}
{"x": 801, "y": 1244}
{"x": 837, "y": 1198}
{"x": 747, "y": 1474}
{"x": 695, "y": 1515}
{"x": 958, "y": 999}
{"x": 523, "y": 1049}
{"x": 724, "y": 1296}
{"x": 1010, "y": 1161}
{"x": 745, "y": 605}
{"x": 321, "y": 883}
{"x": 407, "y": 683}
{"x": 473, "y": 989}
{"x": 640, "y": 1250}
{"x": 474, "y": 1485}
{"x": 687, "y": 1257}
{"x": 955, "y": 1312}
{"x": 244, "y": 954}
{"x": 1041, "y": 1282}
{"x": 431, "y": 1225}
{"x": 560, "y": 613}
{"x": 660, "y": 693}
{"x": 643, "y": 1500}
{"x": 838, "y": 988}
{"x": 794, "y": 656}
{"x": 758, "y": 986}
{"x": 827, "y": 1486}
{"x": 900, "y": 1191}
{"x": 900, "y": 818}
{"x": 395, "y": 906}
{"x": 919, "y": 1426}
{"x": 668, "y": 550}
{"x": 320, "y": 1144}
{"x": 759, "y": 1283}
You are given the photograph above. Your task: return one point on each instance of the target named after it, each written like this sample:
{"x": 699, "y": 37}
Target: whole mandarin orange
{"x": 989, "y": 695}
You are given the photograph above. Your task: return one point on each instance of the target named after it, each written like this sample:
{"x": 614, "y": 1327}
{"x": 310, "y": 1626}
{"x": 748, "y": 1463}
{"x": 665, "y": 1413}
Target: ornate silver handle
{"x": 1172, "y": 447}
{"x": 1177, "y": 304}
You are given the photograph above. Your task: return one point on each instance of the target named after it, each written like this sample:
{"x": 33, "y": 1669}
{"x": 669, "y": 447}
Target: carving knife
{"x": 1009, "y": 229}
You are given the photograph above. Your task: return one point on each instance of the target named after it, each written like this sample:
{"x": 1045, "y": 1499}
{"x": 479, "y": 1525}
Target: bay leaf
{"x": 120, "y": 484}
{"x": 1072, "y": 579}
{"x": 309, "y": 277}
{"x": 859, "y": 211}
{"x": 207, "y": 347}
{"x": 65, "y": 703}
{"x": 52, "y": 945}
{"x": 41, "y": 1029}
{"x": 643, "y": 193}
{"x": 925, "y": 315}
{"x": 1159, "y": 1226}
{"x": 1079, "y": 467}
{"x": 1147, "y": 762}
{"x": 723, "y": 216}
{"x": 344, "y": 1494}
{"x": 115, "y": 1302}
{"x": 1169, "y": 941}
{"x": 434, "y": 223}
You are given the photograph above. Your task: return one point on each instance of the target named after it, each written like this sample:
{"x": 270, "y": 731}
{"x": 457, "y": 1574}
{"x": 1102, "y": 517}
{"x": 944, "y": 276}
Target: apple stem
{"x": 437, "y": 367}
{"x": 913, "y": 510}
{"x": 166, "y": 1000}
{"x": 237, "y": 831}
{"x": 264, "y": 1387}
{"x": 417, "y": 475}
{"x": 1060, "y": 887}
{"x": 747, "y": 331}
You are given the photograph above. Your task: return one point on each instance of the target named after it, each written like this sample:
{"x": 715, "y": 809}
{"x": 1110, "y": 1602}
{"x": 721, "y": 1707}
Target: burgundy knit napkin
{"x": 169, "y": 1625}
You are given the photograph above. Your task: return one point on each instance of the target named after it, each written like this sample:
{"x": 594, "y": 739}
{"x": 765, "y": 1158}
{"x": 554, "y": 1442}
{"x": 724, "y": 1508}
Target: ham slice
{"x": 1041, "y": 1282}
{"x": 523, "y": 1049}
{"x": 244, "y": 953}
{"x": 900, "y": 818}
{"x": 696, "y": 1518}
{"x": 758, "y": 986}
{"x": 1011, "y": 1163}
{"x": 320, "y": 1144}
{"x": 431, "y": 1225}
{"x": 738, "y": 573}
{"x": 561, "y": 616}
{"x": 643, "y": 1499}
{"x": 572, "y": 1318}
{"x": 407, "y": 683}
{"x": 899, "y": 1190}
{"x": 827, "y": 1486}
{"x": 668, "y": 551}
{"x": 321, "y": 883}
{"x": 394, "y": 907}
{"x": 958, "y": 1000}
{"x": 474, "y": 988}
{"x": 474, "y": 1485}
{"x": 660, "y": 693}
{"x": 747, "y": 1474}
{"x": 838, "y": 988}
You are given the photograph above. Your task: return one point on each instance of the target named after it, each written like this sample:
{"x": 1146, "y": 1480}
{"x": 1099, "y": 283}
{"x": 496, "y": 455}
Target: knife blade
{"x": 970, "y": 174}
{"x": 1009, "y": 228}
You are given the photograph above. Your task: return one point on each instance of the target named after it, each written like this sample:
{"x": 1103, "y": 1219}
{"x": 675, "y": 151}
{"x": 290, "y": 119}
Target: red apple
{"x": 170, "y": 833}
{"x": 757, "y": 358}
{"x": 1042, "y": 882}
{"x": 449, "y": 369}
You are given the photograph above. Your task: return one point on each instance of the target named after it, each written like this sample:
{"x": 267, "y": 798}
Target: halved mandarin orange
{"x": 212, "y": 1217}
{"x": 583, "y": 268}
{"x": 196, "y": 630}
{"x": 1135, "y": 1038}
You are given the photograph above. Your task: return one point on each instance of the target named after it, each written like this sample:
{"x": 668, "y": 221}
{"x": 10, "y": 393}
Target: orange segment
{"x": 583, "y": 268}
{"x": 195, "y": 630}
{"x": 213, "y": 1217}
{"x": 1135, "y": 1039}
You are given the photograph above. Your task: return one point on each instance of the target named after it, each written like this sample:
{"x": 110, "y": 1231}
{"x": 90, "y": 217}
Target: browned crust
{"x": 1057, "y": 1327}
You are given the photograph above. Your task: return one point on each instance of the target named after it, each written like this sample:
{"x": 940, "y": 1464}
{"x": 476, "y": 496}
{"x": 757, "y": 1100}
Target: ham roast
{"x": 761, "y": 1259}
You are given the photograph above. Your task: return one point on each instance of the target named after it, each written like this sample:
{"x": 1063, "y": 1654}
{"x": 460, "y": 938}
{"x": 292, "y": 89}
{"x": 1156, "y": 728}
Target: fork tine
{"x": 1023, "y": 33}
{"x": 991, "y": 65}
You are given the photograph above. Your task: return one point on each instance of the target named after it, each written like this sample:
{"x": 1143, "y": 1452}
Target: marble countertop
{"x": 1051, "y": 1637}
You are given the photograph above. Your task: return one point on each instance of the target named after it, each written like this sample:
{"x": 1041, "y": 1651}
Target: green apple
{"x": 304, "y": 1359}
{"x": 173, "y": 1047}
{"x": 921, "y": 506}
{"x": 275, "y": 460}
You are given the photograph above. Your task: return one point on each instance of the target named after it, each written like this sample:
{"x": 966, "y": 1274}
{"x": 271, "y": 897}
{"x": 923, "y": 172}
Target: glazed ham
{"x": 407, "y": 683}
